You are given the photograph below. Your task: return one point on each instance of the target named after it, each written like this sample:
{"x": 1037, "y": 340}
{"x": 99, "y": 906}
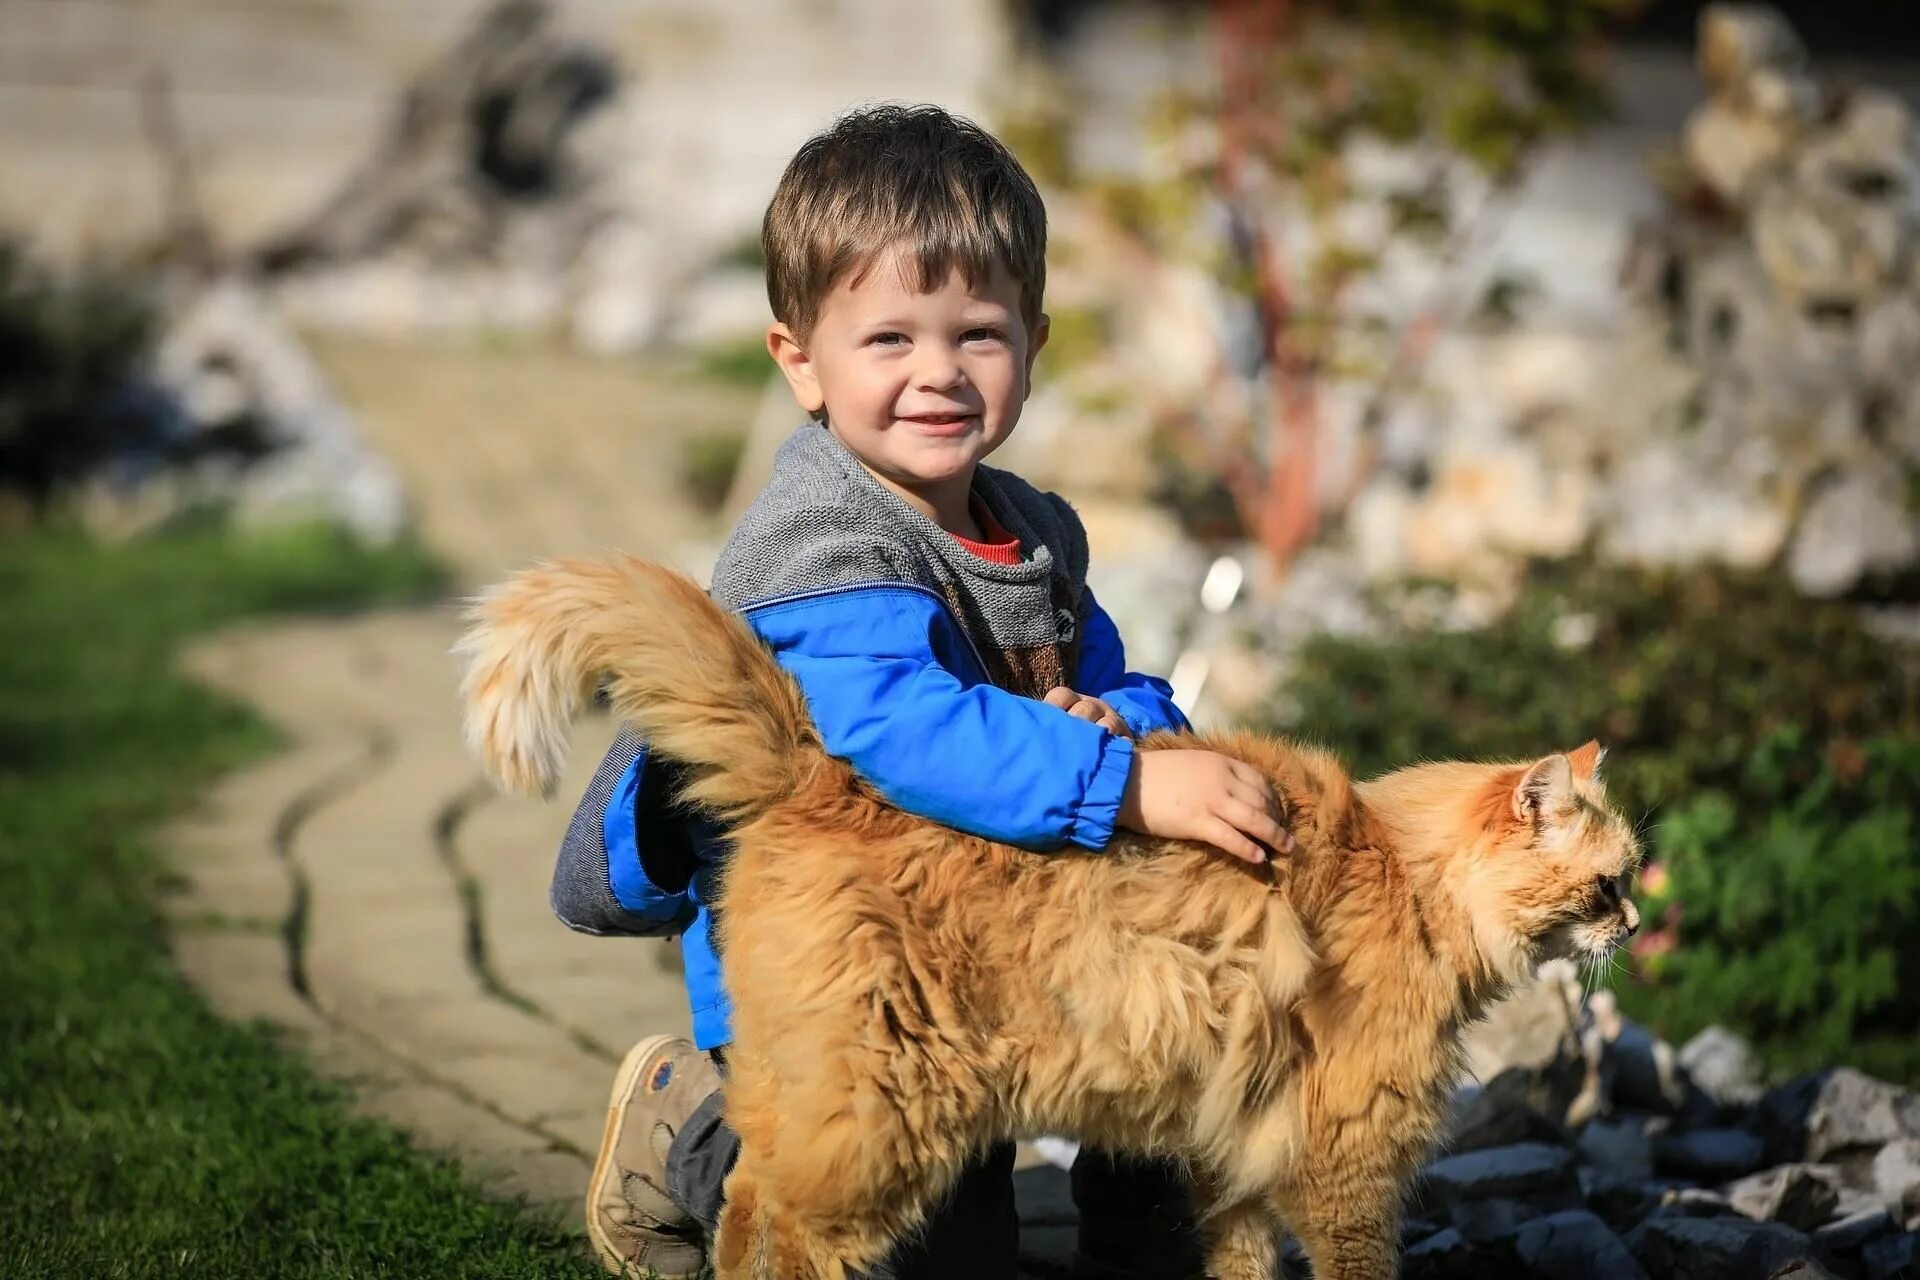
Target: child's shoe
{"x": 635, "y": 1226}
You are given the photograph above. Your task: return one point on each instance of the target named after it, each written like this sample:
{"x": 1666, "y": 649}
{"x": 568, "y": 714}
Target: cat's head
{"x": 1534, "y": 853}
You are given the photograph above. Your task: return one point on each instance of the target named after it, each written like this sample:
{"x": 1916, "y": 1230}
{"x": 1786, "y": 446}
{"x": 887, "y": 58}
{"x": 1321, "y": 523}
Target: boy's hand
{"x": 1082, "y": 707}
{"x": 1203, "y": 795}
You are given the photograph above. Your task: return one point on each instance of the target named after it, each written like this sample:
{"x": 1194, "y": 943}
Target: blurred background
{"x": 1435, "y": 377}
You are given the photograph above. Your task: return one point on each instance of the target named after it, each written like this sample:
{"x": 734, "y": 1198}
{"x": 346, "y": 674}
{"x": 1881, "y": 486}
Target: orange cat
{"x": 905, "y": 995}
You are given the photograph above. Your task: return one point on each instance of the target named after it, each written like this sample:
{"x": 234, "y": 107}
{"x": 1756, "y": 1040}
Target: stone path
{"x": 365, "y": 890}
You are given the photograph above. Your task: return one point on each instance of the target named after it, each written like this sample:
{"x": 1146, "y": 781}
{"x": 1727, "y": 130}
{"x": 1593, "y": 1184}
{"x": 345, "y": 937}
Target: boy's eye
{"x": 888, "y": 339}
{"x": 983, "y": 335}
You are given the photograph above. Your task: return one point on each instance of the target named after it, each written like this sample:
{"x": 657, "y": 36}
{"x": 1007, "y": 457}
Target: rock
{"x": 1620, "y": 1146}
{"x": 1721, "y": 1063}
{"x": 1892, "y": 1257}
{"x": 1540, "y": 1049}
{"x": 1712, "y": 1155}
{"x": 1487, "y": 1193}
{"x": 1896, "y": 1177}
{"x": 1445, "y": 1255}
{"x": 1815, "y": 246}
{"x": 228, "y": 351}
{"x": 1507, "y": 1110}
{"x": 1676, "y": 1248}
{"x": 1802, "y": 1196}
{"x": 1645, "y": 1073}
{"x": 1836, "y": 1111}
{"x": 1846, "y": 1236}
{"x": 1732, "y": 149}
{"x": 1737, "y": 40}
{"x": 1856, "y": 525}
{"x": 1693, "y": 1202}
{"x": 1623, "y": 1203}
{"x": 1574, "y": 1245}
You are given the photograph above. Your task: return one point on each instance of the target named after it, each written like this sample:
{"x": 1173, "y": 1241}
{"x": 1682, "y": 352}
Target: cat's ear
{"x": 1586, "y": 760}
{"x": 1545, "y": 788}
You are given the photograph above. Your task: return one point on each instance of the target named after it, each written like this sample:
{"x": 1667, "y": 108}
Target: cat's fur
{"x": 905, "y": 994}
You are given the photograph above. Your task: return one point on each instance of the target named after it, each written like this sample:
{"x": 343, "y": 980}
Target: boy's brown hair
{"x": 941, "y": 190}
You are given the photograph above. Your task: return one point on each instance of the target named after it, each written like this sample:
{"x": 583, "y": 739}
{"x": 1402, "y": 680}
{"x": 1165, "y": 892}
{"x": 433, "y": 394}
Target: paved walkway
{"x": 365, "y": 889}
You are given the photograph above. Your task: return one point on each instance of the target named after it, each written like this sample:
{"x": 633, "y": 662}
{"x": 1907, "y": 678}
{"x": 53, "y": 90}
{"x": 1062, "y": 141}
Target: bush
{"x": 1766, "y": 733}
{"x": 70, "y": 352}
{"x": 1797, "y": 896}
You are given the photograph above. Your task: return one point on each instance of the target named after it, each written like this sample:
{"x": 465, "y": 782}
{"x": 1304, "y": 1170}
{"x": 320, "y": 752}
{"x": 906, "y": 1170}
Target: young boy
{"x": 936, "y": 616}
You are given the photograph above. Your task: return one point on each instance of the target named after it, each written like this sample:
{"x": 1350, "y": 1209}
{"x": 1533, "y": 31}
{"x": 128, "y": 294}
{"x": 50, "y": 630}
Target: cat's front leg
{"x": 1351, "y": 1228}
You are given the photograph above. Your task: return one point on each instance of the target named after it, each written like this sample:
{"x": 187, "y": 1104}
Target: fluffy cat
{"x": 905, "y": 995}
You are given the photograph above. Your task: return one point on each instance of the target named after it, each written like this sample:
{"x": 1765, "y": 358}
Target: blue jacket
{"x": 898, "y": 691}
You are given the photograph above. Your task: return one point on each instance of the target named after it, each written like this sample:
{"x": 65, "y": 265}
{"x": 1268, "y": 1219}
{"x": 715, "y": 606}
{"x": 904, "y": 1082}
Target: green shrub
{"x": 1797, "y": 895}
{"x": 1763, "y": 734}
{"x": 70, "y": 352}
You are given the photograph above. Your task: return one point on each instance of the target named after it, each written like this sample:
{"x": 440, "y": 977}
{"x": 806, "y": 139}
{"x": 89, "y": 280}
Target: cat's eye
{"x": 1609, "y": 888}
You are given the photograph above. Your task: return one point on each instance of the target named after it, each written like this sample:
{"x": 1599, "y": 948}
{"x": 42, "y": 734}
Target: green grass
{"x": 139, "y": 1134}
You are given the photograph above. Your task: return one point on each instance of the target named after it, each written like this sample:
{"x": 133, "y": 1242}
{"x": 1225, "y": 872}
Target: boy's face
{"x": 919, "y": 386}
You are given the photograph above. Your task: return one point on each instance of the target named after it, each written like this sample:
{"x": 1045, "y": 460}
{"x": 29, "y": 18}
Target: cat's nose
{"x": 1631, "y": 914}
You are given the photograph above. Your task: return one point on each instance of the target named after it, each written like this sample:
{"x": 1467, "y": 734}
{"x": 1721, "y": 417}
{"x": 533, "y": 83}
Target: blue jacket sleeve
{"x": 1144, "y": 702}
{"x": 896, "y": 692}
{"x": 628, "y": 857}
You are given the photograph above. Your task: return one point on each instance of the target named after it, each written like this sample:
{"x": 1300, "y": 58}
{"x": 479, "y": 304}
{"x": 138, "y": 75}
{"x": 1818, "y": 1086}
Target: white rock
{"x": 1853, "y": 526}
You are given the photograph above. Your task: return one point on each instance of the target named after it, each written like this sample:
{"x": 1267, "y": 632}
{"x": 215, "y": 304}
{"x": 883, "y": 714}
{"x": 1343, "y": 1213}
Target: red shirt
{"x": 996, "y": 545}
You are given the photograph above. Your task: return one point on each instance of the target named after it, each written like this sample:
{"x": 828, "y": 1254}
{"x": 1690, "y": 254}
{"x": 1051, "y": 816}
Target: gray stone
{"x": 1849, "y": 1234}
{"x": 1802, "y": 1196}
{"x": 1852, "y": 1109}
{"x": 1855, "y": 525}
{"x": 1896, "y": 1177}
{"x": 1713, "y": 1155}
{"x": 1730, "y": 149}
{"x": 1738, "y": 40}
{"x": 1816, "y": 1117}
{"x": 1514, "y": 1170}
{"x": 1440, "y": 1256}
{"x": 1892, "y": 1257}
{"x": 1694, "y": 1202}
{"x": 1646, "y": 1073}
{"x": 1721, "y": 1063}
{"x": 1503, "y": 1112}
{"x": 1621, "y": 1146}
{"x": 1575, "y": 1245}
{"x": 1675, "y": 1248}
{"x": 1815, "y": 246}
{"x": 1487, "y": 1193}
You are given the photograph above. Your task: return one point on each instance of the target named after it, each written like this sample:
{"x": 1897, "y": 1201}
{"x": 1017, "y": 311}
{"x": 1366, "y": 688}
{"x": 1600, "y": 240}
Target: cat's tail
{"x": 691, "y": 678}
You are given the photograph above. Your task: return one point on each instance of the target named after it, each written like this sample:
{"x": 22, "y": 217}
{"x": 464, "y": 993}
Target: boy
{"x": 936, "y": 616}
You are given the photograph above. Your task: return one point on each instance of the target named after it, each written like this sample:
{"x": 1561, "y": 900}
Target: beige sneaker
{"x": 636, "y": 1228}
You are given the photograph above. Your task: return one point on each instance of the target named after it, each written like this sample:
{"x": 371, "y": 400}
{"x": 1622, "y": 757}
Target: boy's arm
{"x": 877, "y": 666}
{"x": 1144, "y": 702}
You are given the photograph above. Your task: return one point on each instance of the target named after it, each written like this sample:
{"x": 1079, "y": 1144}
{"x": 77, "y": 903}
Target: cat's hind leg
{"x": 1243, "y": 1242}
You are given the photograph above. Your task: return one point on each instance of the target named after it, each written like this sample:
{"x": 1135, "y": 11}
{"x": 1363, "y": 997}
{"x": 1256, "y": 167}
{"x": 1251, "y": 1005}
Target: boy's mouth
{"x": 941, "y": 424}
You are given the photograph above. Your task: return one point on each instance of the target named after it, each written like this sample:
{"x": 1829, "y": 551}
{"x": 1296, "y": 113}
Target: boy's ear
{"x": 797, "y": 366}
{"x": 1038, "y": 340}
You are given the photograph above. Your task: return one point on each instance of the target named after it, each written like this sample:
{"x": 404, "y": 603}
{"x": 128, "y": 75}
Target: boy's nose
{"x": 939, "y": 371}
